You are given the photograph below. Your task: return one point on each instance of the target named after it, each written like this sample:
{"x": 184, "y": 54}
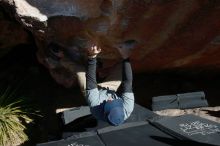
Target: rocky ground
{"x": 44, "y": 94}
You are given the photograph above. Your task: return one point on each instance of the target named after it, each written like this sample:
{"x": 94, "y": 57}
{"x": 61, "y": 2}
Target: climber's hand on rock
{"x": 93, "y": 51}
{"x": 125, "y": 53}
{"x": 125, "y": 48}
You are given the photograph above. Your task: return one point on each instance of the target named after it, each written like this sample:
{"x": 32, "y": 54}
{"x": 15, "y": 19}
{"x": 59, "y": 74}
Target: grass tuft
{"x": 13, "y": 118}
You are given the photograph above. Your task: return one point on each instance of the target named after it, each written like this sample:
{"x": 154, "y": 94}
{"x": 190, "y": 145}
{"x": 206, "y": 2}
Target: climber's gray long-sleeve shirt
{"x": 96, "y": 98}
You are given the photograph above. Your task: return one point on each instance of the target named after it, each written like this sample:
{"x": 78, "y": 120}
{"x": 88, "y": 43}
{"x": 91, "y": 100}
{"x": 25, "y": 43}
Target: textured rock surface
{"x": 168, "y": 34}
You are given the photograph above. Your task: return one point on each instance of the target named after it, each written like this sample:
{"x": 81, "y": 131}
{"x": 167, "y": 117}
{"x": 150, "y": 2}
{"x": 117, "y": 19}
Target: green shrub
{"x": 13, "y": 118}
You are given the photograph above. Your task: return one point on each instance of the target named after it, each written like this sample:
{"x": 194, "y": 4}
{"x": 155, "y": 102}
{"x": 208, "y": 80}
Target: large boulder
{"x": 163, "y": 34}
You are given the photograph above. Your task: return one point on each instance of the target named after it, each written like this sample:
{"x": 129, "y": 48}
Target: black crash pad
{"x": 74, "y": 113}
{"x": 88, "y": 123}
{"x": 129, "y": 134}
{"x": 81, "y": 139}
{"x": 190, "y": 127}
{"x": 80, "y": 119}
{"x": 160, "y": 131}
{"x": 179, "y": 101}
{"x": 139, "y": 134}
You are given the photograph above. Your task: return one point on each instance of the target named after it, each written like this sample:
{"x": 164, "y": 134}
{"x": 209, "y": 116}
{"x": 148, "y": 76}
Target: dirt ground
{"x": 42, "y": 93}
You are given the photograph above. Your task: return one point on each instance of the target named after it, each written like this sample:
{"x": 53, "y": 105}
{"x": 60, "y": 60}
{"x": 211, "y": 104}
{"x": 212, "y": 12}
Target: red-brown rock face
{"x": 164, "y": 34}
